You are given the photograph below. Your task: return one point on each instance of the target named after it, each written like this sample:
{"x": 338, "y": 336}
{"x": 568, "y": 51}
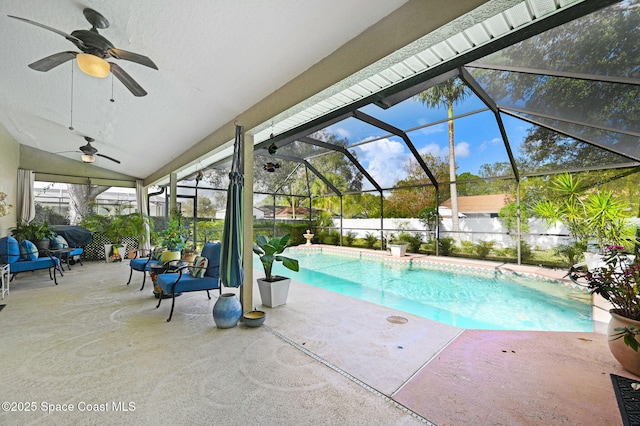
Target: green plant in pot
{"x": 274, "y": 289}
{"x": 398, "y": 244}
{"x": 173, "y": 240}
{"x": 116, "y": 228}
{"x": 617, "y": 282}
{"x": 38, "y": 233}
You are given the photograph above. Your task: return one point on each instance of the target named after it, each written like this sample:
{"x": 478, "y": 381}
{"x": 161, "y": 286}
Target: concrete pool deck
{"x": 322, "y": 359}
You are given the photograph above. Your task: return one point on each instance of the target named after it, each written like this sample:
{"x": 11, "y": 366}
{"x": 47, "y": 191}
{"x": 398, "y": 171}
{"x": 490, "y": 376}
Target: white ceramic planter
{"x": 107, "y": 249}
{"x": 398, "y": 250}
{"x": 274, "y": 293}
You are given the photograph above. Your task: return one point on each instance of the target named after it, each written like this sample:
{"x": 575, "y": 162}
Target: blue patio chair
{"x": 144, "y": 264}
{"x": 201, "y": 276}
{"x": 68, "y": 254}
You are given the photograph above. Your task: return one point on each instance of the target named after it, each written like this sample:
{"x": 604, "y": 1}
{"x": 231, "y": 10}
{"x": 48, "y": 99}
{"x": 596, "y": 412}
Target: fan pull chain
{"x": 71, "y": 119}
{"x": 112, "y": 99}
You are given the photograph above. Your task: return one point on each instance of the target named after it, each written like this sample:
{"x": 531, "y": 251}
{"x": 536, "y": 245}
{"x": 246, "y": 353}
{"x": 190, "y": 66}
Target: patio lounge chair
{"x": 202, "y": 276}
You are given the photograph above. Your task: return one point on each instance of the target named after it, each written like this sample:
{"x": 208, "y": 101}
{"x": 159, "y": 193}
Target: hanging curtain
{"x": 26, "y": 208}
{"x": 141, "y": 198}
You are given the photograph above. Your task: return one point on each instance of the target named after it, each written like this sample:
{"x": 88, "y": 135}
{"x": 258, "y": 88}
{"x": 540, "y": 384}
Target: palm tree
{"x": 448, "y": 94}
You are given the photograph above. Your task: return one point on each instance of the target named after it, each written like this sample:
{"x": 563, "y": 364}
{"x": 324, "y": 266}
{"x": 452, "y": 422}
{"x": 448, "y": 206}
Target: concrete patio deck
{"x": 102, "y": 348}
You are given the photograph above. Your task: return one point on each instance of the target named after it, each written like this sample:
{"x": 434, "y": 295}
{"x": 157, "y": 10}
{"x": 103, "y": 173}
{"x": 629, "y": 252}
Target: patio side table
{"x": 5, "y": 276}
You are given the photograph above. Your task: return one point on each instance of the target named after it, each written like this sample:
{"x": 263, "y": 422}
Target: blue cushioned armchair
{"x": 183, "y": 281}
{"x": 142, "y": 264}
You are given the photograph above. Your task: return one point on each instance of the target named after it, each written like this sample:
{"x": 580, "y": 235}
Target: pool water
{"x": 459, "y": 299}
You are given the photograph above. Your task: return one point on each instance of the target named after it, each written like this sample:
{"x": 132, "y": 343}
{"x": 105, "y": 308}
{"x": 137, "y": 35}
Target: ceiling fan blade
{"x": 107, "y": 157}
{"x": 45, "y": 64}
{"x": 127, "y": 80}
{"x": 69, "y": 37}
{"x": 133, "y": 57}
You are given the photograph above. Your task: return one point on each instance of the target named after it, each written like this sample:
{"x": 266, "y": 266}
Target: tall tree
{"x": 448, "y": 94}
{"x": 81, "y": 198}
{"x": 415, "y": 192}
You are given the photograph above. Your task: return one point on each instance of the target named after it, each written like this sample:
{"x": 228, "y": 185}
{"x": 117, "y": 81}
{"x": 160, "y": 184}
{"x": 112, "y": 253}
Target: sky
{"x": 477, "y": 138}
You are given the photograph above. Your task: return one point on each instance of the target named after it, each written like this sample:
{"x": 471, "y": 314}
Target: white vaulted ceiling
{"x": 218, "y": 60}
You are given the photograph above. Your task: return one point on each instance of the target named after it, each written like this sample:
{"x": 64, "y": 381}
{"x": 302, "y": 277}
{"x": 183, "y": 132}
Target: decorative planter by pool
{"x": 626, "y": 356}
{"x": 274, "y": 293}
{"x": 227, "y": 311}
{"x": 398, "y": 250}
{"x": 254, "y": 318}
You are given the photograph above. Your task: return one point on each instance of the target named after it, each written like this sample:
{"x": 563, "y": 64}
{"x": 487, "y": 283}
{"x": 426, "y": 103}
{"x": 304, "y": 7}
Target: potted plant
{"x": 398, "y": 245}
{"x": 116, "y": 228}
{"x": 617, "y": 282}
{"x": 38, "y": 233}
{"x": 173, "y": 240}
{"x": 274, "y": 289}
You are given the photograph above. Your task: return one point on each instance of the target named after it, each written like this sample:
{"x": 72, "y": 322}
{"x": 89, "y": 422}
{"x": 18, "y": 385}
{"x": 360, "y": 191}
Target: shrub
{"x": 331, "y": 237}
{"x": 526, "y": 253}
{"x": 447, "y": 246}
{"x": 483, "y": 248}
{"x": 413, "y": 241}
{"x": 467, "y": 247}
{"x": 370, "y": 240}
{"x": 349, "y": 238}
{"x": 571, "y": 251}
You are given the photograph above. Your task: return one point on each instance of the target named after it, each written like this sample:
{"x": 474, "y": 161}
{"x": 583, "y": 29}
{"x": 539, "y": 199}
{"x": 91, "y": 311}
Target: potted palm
{"x": 617, "y": 282}
{"x": 274, "y": 289}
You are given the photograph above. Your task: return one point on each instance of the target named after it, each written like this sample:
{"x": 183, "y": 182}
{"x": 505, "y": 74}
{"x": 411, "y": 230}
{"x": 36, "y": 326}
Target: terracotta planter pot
{"x": 626, "y": 356}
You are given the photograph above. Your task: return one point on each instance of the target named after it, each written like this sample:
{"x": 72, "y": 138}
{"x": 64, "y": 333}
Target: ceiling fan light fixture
{"x": 86, "y": 158}
{"x": 93, "y": 65}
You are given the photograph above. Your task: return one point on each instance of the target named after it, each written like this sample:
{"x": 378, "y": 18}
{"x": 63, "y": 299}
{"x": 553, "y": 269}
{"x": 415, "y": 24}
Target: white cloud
{"x": 385, "y": 161}
{"x": 463, "y": 150}
{"x": 435, "y": 150}
{"x": 485, "y": 145}
{"x": 342, "y": 132}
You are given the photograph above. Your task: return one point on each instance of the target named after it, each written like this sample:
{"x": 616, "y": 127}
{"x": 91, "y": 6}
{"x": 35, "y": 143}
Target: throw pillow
{"x": 28, "y": 250}
{"x": 59, "y": 242}
{"x": 9, "y": 250}
{"x": 199, "y": 267}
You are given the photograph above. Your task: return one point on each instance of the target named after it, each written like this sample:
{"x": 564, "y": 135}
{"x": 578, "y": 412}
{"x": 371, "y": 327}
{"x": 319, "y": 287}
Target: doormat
{"x": 628, "y": 399}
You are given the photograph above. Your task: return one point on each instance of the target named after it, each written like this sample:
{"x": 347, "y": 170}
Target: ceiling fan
{"x": 94, "y": 50}
{"x": 89, "y": 152}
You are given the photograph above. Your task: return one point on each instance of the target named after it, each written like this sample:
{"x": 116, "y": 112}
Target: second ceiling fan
{"x": 89, "y": 152}
{"x": 94, "y": 48}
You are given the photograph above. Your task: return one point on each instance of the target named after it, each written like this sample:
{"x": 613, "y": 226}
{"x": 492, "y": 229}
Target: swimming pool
{"x": 473, "y": 301}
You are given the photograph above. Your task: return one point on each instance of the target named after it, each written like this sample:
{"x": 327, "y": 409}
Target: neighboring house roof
{"x": 480, "y": 203}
